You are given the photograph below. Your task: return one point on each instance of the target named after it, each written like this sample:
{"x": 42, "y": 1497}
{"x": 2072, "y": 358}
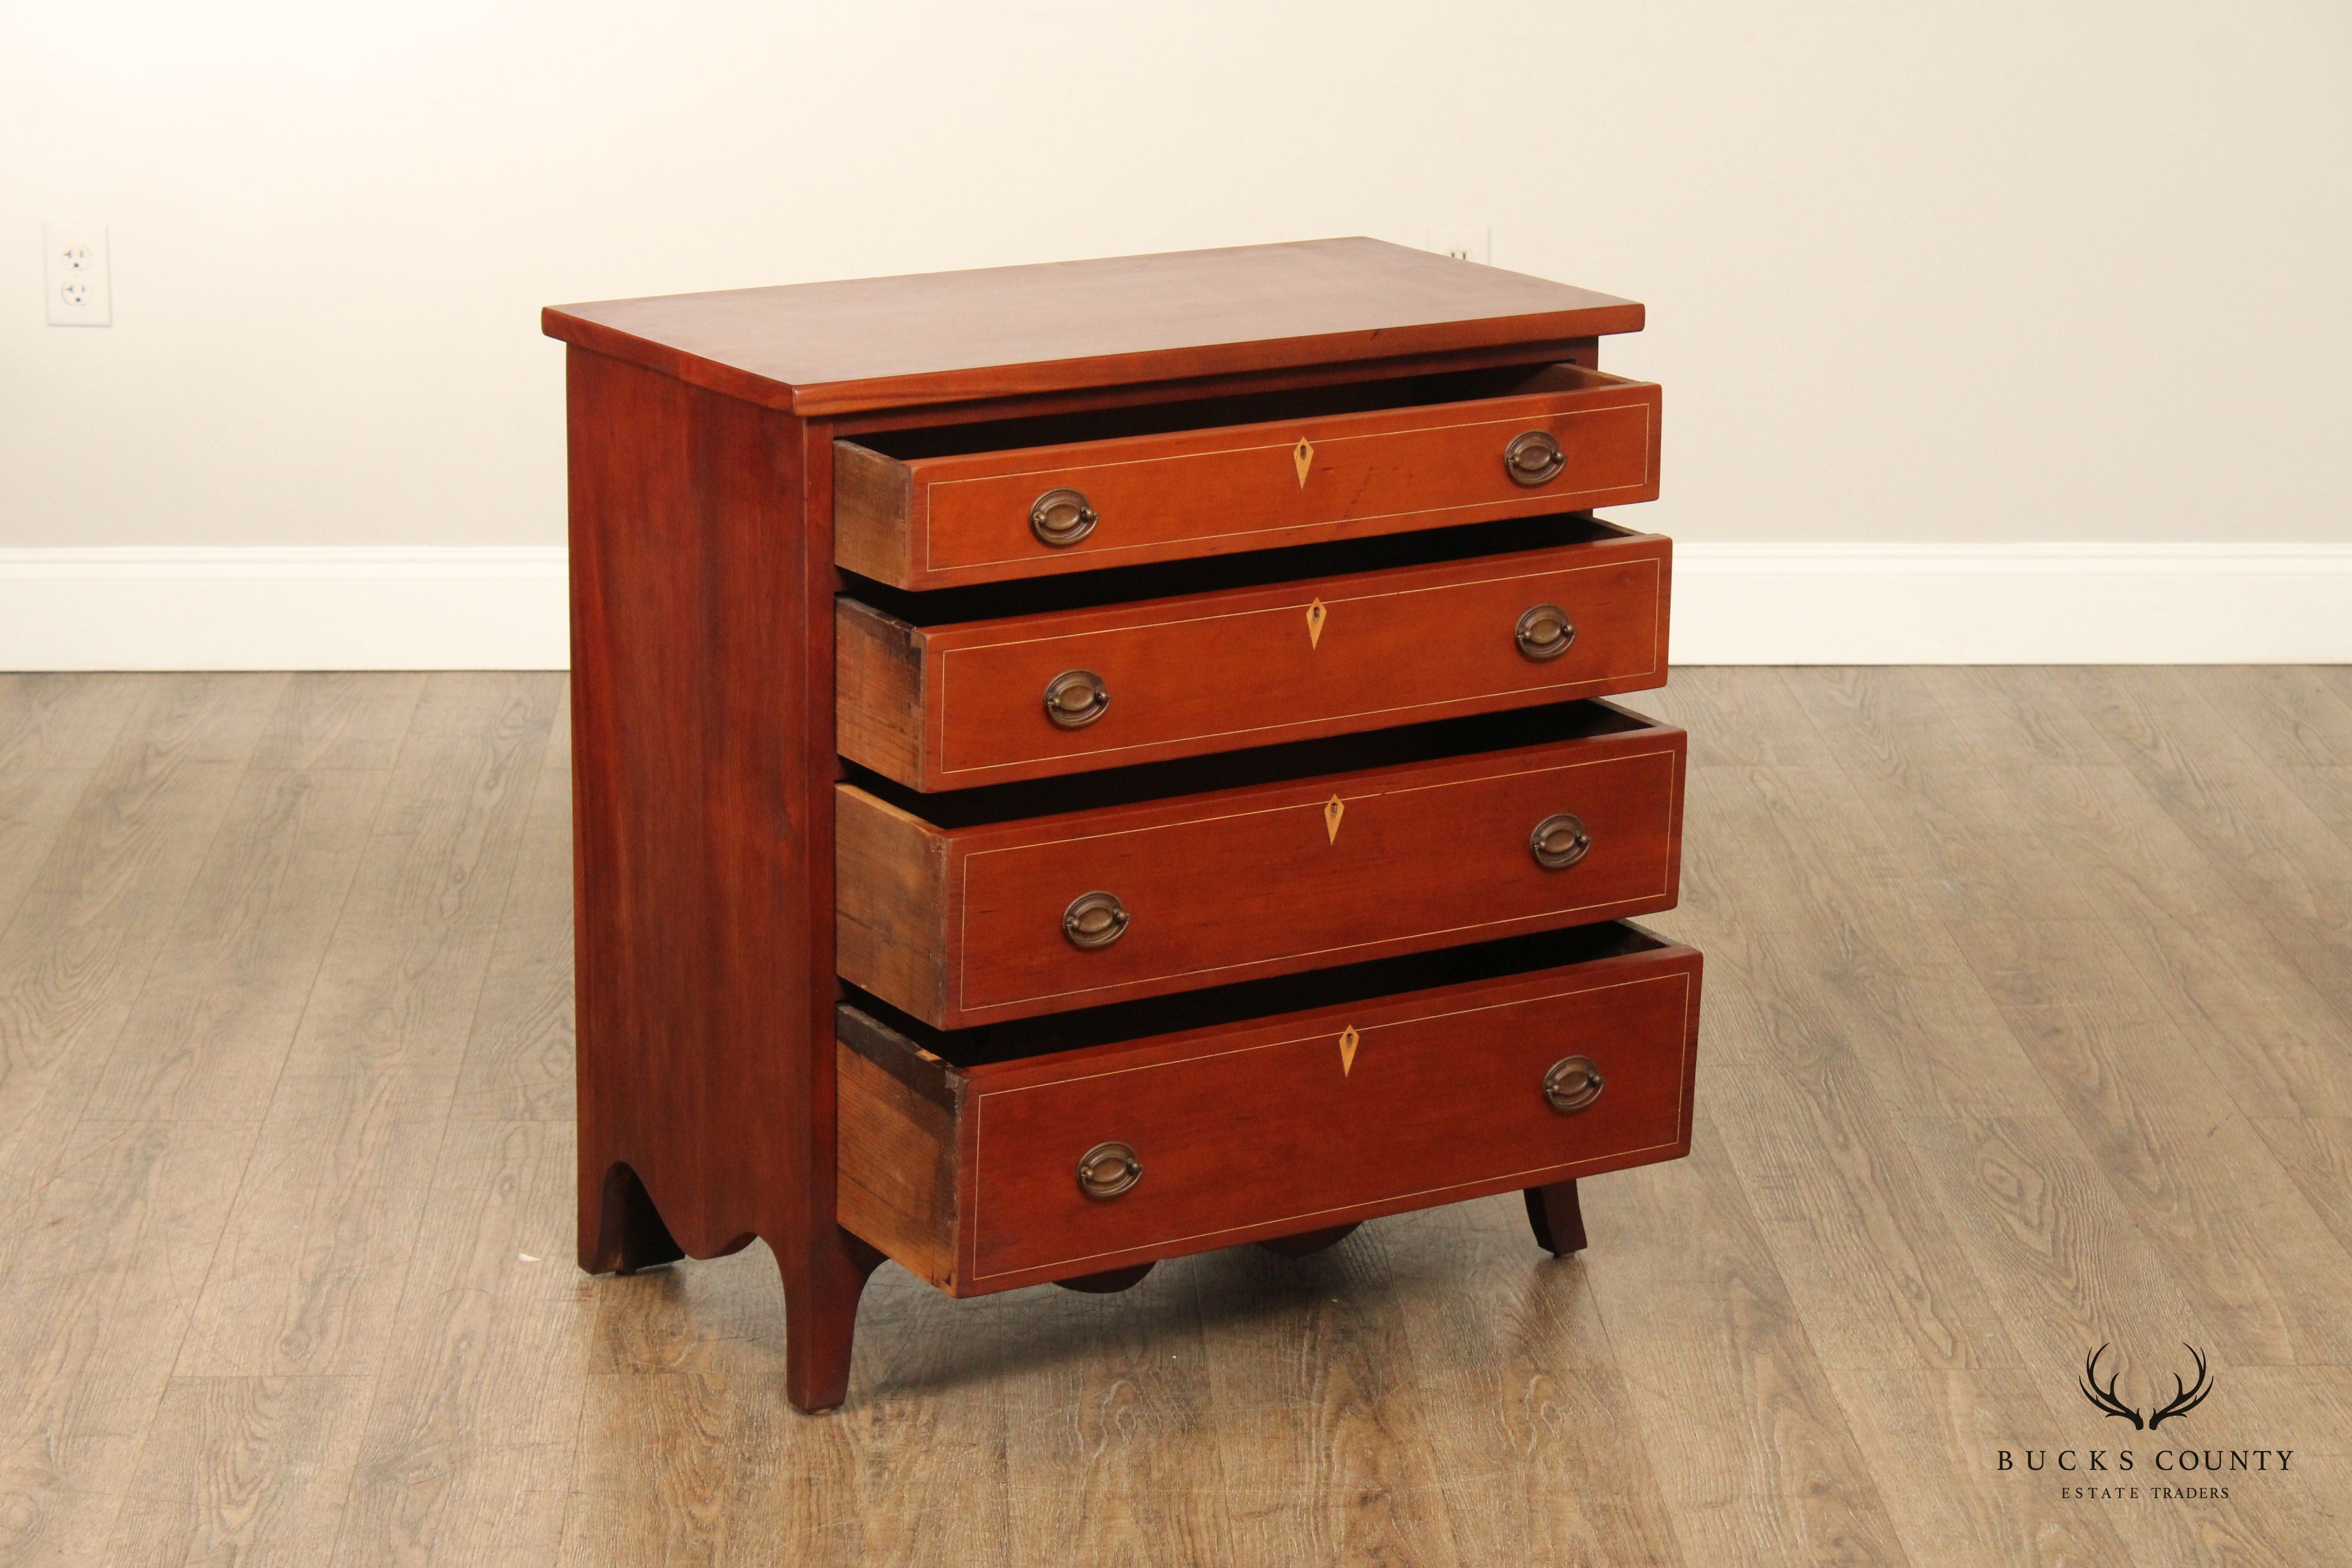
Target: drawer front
{"x": 1341, "y": 1121}
{"x": 1221, "y": 897}
{"x": 1247, "y": 668}
{"x": 967, "y": 518}
{"x": 971, "y": 925}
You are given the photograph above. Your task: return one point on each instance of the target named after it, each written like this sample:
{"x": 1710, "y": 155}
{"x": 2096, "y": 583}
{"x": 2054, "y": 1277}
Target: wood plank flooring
{"x": 2028, "y": 1030}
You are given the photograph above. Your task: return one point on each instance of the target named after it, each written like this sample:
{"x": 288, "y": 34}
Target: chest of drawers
{"x": 1076, "y": 765}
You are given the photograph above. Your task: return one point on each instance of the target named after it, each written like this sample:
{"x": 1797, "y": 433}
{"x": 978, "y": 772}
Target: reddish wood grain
{"x": 1259, "y": 1129}
{"x": 945, "y": 337}
{"x": 934, "y": 522}
{"x": 952, "y": 706}
{"x": 1245, "y": 882}
{"x": 702, "y": 692}
{"x": 704, "y": 460}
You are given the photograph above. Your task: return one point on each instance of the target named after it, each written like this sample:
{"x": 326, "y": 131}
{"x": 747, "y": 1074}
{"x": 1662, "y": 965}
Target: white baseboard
{"x": 2012, "y": 604}
{"x": 274, "y": 608}
{"x": 503, "y": 607}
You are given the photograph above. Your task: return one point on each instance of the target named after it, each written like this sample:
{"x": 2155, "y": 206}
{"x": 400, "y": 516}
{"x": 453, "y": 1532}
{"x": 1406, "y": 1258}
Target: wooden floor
{"x": 2029, "y": 1028}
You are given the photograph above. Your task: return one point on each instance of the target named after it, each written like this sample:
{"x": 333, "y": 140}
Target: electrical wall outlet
{"x": 1463, "y": 242}
{"x": 75, "y": 275}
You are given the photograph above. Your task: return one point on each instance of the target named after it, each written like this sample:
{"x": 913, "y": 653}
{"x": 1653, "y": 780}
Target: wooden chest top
{"x": 948, "y": 337}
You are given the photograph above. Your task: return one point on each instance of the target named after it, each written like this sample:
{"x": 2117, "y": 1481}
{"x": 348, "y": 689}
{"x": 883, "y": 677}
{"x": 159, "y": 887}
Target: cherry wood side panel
{"x": 692, "y": 800}
{"x": 702, "y": 702}
{"x": 1249, "y": 882}
{"x": 1206, "y": 492}
{"x": 1238, "y": 1140}
{"x": 950, "y": 706}
{"x": 879, "y": 343}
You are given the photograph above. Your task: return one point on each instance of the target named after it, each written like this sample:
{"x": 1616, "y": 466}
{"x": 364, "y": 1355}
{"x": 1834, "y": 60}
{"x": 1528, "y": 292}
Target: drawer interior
{"x": 1251, "y": 408}
{"x": 1207, "y": 574}
{"x": 1297, "y": 760}
{"x": 882, "y": 1032}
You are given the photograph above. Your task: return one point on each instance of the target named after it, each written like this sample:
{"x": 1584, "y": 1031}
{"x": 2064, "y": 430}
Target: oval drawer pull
{"x": 1534, "y": 457}
{"x": 1573, "y": 1083}
{"x": 1545, "y": 632}
{"x": 1107, "y": 1170}
{"x": 1093, "y": 920}
{"x": 1061, "y": 517}
{"x": 1076, "y": 699}
{"x": 1559, "y": 841}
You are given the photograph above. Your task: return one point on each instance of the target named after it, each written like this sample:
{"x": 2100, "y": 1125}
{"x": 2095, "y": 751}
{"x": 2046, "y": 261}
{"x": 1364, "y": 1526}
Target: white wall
{"x": 1960, "y": 271}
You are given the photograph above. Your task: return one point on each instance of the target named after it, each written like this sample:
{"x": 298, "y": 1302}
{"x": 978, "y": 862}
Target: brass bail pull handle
{"x": 1545, "y": 632}
{"x": 1107, "y": 1170}
{"x": 1076, "y": 699}
{"x": 1573, "y": 1083}
{"x": 1093, "y": 920}
{"x": 1062, "y": 517}
{"x": 1559, "y": 841}
{"x": 1534, "y": 457}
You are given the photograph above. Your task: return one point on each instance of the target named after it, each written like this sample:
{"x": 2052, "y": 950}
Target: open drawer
{"x": 1016, "y": 681}
{"x": 941, "y": 506}
{"x": 1070, "y": 1146}
{"x": 1016, "y": 900}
